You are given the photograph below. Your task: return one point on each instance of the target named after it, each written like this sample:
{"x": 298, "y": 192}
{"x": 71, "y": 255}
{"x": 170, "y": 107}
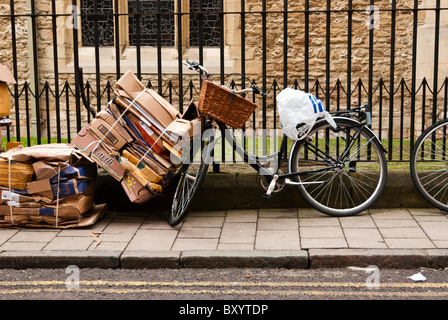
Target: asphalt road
{"x": 222, "y": 284}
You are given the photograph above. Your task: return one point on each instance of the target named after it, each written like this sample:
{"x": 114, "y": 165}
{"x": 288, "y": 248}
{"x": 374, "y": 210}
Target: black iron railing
{"x": 402, "y": 107}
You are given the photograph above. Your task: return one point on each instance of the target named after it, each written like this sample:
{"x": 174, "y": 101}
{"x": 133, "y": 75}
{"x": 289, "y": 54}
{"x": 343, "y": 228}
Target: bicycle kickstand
{"x": 268, "y": 194}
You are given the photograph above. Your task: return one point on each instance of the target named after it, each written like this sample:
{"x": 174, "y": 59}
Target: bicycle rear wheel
{"x": 347, "y": 169}
{"x": 429, "y": 165}
{"x": 191, "y": 177}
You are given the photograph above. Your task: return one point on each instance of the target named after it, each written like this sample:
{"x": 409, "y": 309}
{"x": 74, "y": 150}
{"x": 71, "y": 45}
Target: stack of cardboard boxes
{"x": 47, "y": 186}
{"x": 137, "y": 138}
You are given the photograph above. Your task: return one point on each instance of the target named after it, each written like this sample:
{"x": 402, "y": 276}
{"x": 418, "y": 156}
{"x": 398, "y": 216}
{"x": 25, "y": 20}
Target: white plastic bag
{"x": 298, "y": 107}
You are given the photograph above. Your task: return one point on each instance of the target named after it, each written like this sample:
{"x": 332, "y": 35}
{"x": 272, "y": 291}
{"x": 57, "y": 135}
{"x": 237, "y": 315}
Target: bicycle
{"x": 340, "y": 172}
{"x": 428, "y": 165}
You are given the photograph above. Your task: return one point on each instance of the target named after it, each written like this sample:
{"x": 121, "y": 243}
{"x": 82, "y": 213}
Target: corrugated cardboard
{"x": 129, "y": 86}
{"x": 21, "y": 174}
{"x": 105, "y": 132}
{"x": 6, "y": 196}
{"x": 117, "y": 125}
{"x": 5, "y": 77}
{"x": 136, "y": 192}
{"x": 52, "y": 169}
{"x": 146, "y": 171}
{"x": 141, "y": 117}
{"x": 88, "y": 219}
{"x": 47, "y": 152}
{"x": 88, "y": 144}
{"x": 40, "y": 187}
{"x": 69, "y": 208}
{"x": 5, "y": 104}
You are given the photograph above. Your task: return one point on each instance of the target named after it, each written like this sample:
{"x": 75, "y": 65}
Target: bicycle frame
{"x": 255, "y": 161}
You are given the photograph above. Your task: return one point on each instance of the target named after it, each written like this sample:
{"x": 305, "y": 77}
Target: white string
{"x": 57, "y": 197}
{"x": 10, "y": 194}
{"x": 121, "y": 115}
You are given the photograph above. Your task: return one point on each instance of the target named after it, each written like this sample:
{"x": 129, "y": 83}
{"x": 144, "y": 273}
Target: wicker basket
{"x": 223, "y": 105}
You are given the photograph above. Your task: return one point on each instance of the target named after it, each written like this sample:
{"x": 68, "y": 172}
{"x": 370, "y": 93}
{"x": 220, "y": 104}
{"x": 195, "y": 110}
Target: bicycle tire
{"x": 428, "y": 165}
{"x": 186, "y": 192}
{"x": 346, "y": 184}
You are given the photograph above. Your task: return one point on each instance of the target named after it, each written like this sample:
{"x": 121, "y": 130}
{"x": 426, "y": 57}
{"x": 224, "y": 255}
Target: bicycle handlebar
{"x": 194, "y": 65}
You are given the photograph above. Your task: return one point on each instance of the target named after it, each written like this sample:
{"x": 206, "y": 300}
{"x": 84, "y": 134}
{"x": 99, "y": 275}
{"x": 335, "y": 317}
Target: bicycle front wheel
{"x": 341, "y": 173}
{"x": 191, "y": 177}
{"x": 429, "y": 161}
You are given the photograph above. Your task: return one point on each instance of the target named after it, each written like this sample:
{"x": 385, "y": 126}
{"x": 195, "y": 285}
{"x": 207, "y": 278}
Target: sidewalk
{"x": 290, "y": 238}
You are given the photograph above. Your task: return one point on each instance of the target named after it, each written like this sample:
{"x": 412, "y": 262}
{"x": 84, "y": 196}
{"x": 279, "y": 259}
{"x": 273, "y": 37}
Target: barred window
{"x": 148, "y": 22}
{"x": 202, "y": 12}
{"x": 210, "y": 22}
{"x": 102, "y": 14}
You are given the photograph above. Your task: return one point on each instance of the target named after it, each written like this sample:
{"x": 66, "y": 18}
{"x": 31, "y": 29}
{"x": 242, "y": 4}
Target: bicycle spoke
{"x": 429, "y": 165}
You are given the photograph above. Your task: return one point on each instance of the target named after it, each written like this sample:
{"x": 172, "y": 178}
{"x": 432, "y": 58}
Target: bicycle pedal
{"x": 267, "y": 197}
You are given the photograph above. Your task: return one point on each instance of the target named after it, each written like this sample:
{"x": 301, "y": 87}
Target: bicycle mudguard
{"x": 335, "y": 118}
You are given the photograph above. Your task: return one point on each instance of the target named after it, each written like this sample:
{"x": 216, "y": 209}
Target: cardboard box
{"x": 105, "y": 132}
{"x": 5, "y": 105}
{"x": 146, "y": 171}
{"x": 98, "y": 152}
{"x": 130, "y": 87}
{"x": 135, "y": 191}
{"x": 5, "y": 77}
{"x": 117, "y": 125}
{"x": 21, "y": 174}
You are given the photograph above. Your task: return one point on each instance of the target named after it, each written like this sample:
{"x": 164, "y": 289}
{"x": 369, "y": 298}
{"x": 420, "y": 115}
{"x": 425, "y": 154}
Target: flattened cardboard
{"x": 40, "y": 187}
{"x": 107, "y": 133}
{"x": 49, "y": 170}
{"x": 48, "y": 152}
{"x": 154, "y": 171}
{"x": 21, "y": 174}
{"x": 88, "y": 144}
{"x": 64, "y": 211}
{"x": 106, "y": 116}
{"x": 89, "y": 219}
{"x": 129, "y": 86}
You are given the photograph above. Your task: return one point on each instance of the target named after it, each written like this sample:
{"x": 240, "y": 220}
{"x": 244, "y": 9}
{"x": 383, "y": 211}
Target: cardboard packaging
{"x": 70, "y": 207}
{"x": 60, "y": 187}
{"x": 130, "y": 87}
{"x": 43, "y": 221}
{"x": 99, "y": 153}
{"x": 115, "y": 123}
{"x": 136, "y": 192}
{"x": 110, "y": 131}
{"x": 21, "y": 174}
{"x": 47, "y": 152}
{"x": 5, "y": 77}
